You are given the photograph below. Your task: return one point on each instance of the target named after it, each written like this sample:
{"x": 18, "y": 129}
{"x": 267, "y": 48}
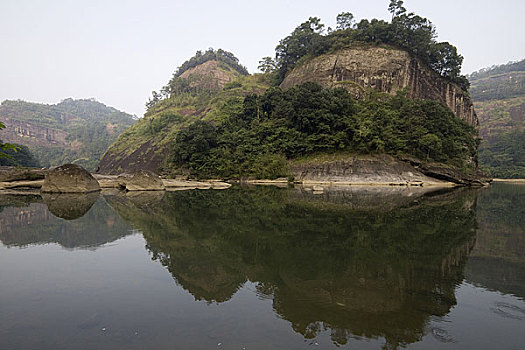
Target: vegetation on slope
{"x": 181, "y": 102}
{"x": 408, "y": 31}
{"x": 5, "y": 148}
{"x": 241, "y": 130}
{"x": 267, "y": 130}
{"x": 498, "y": 82}
{"x": 499, "y": 98}
{"x": 90, "y": 126}
{"x": 20, "y": 155}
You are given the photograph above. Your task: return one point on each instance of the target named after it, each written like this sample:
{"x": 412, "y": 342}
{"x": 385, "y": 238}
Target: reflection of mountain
{"x": 26, "y": 220}
{"x": 498, "y": 259}
{"x": 379, "y": 273}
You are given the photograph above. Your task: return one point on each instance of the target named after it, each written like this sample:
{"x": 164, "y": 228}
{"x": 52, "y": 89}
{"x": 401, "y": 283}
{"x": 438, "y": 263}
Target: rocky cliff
{"x": 32, "y": 134}
{"x": 76, "y": 131}
{"x": 386, "y": 70}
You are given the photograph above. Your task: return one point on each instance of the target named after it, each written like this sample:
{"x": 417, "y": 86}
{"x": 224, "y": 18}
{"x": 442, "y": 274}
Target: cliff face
{"x": 386, "y": 70}
{"x": 71, "y": 131}
{"x": 31, "y": 134}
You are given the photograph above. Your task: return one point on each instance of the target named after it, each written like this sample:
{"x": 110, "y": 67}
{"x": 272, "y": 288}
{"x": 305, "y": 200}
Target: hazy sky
{"x": 118, "y": 51}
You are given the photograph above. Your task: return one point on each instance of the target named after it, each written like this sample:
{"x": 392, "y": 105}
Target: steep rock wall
{"x": 386, "y": 70}
{"x": 32, "y": 135}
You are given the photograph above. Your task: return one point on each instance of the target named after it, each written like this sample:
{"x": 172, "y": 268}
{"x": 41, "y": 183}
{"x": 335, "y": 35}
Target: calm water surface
{"x": 264, "y": 268}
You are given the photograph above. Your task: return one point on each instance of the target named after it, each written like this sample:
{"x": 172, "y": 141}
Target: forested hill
{"x": 213, "y": 120}
{"x": 77, "y": 131}
{"x": 499, "y": 97}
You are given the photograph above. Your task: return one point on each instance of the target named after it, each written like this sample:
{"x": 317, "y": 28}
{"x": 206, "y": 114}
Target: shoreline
{"x": 516, "y": 181}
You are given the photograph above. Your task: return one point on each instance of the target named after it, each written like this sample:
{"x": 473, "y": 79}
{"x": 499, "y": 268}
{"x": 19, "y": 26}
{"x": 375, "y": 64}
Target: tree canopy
{"x": 6, "y": 149}
{"x": 307, "y": 119}
{"x": 406, "y": 30}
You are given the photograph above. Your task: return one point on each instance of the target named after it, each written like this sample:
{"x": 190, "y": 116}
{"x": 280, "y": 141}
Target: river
{"x": 265, "y": 268}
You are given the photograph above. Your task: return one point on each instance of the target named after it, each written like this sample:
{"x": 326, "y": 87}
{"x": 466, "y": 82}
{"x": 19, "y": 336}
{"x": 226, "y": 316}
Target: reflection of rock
{"x": 26, "y": 220}
{"x": 145, "y": 198}
{"x": 69, "y": 206}
{"x": 366, "y": 197}
{"x": 144, "y": 180}
{"x": 69, "y": 178}
{"x": 366, "y": 272}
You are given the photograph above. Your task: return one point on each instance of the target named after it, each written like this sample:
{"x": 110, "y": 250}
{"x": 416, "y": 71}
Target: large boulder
{"x": 144, "y": 180}
{"x": 69, "y": 178}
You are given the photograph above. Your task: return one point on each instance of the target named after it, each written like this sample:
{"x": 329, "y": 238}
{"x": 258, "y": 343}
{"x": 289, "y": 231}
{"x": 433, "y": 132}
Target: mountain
{"x": 356, "y": 94}
{"x": 76, "y": 131}
{"x": 385, "y": 69}
{"x": 498, "y": 93}
{"x": 207, "y": 86}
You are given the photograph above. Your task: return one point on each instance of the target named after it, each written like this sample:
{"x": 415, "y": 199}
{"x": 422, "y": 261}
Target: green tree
{"x": 6, "y": 148}
{"x": 396, "y": 8}
{"x": 344, "y": 20}
{"x": 267, "y": 65}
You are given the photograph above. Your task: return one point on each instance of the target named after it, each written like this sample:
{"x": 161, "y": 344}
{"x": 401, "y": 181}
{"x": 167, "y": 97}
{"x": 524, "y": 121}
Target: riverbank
{"x": 514, "y": 181}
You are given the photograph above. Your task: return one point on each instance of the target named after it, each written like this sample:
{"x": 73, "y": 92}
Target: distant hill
{"x": 77, "y": 131}
{"x": 498, "y": 93}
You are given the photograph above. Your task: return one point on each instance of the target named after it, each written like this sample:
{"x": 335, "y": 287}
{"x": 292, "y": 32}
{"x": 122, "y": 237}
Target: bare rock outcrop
{"x": 69, "y": 178}
{"x": 384, "y": 69}
{"x": 144, "y": 180}
{"x": 9, "y": 174}
{"x": 381, "y": 170}
{"x": 208, "y": 75}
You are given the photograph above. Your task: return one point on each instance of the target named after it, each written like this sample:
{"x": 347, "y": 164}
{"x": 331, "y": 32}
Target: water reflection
{"x": 69, "y": 206}
{"x": 379, "y": 272}
{"x": 351, "y": 263}
{"x": 27, "y": 220}
{"x": 498, "y": 259}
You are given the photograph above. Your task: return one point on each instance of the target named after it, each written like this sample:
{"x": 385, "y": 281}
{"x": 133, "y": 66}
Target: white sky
{"x": 118, "y": 51}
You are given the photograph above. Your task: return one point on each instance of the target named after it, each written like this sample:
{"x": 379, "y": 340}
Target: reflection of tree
{"x": 498, "y": 259}
{"x": 374, "y": 273}
{"x": 26, "y": 220}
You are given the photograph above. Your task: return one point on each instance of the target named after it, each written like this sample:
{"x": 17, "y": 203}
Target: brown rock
{"x": 8, "y": 174}
{"x": 144, "y": 180}
{"x": 69, "y": 178}
{"x": 386, "y": 70}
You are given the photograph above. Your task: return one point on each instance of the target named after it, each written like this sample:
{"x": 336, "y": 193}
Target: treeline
{"x": 280, "y": 125}
{"x": 498, "y": 69}
{"x": 408, "y": 31}
{"x": 19, "y": 155}
{"x": 219, "y": 55}
{"x": 498, "y": 82}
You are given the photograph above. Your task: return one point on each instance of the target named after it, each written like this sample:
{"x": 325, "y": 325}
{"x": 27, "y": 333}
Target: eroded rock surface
{"x": 386, "y": 70}
{"x": 142, "y": 181}
{"x": 69, "y": 178}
